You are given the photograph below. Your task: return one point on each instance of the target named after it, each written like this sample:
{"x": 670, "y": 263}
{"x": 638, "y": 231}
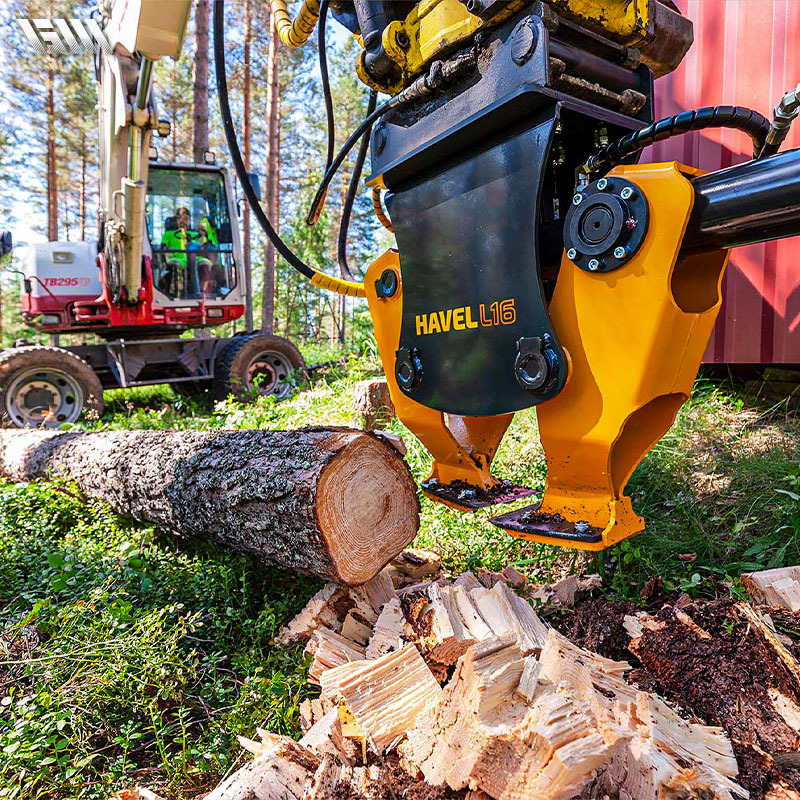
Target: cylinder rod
{"x": 749, "y": 203}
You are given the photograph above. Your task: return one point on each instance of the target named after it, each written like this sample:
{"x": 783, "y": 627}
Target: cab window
{"x": 190, "y": 234}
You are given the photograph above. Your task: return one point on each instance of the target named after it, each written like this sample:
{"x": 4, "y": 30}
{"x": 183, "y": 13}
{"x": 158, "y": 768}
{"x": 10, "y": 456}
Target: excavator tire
{"x": 259, "y": 364}
{"x": 43, "y": 387}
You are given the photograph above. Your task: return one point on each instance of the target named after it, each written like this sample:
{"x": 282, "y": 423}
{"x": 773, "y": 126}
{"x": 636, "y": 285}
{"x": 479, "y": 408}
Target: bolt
{"x": 403, "y": 42}
{"x": 572, "y": 254}
{"x": 602, "y": 184}
{"x": 626, "y": 193}
{"x": 620, "y": 253}
{"x": 379, "y": 137}
{"x": 594, "y": 265}
{"x": 388, "y": 283}
{"x": 577, "y": 199}
{"x": 474, "y": 6}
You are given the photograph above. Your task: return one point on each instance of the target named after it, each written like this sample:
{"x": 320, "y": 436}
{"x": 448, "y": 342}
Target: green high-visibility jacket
{"x": 179, "y": 241}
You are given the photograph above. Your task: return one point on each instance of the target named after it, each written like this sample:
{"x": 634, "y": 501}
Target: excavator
{"x": 538, "y": 263}
{"x": 167, "y": 261}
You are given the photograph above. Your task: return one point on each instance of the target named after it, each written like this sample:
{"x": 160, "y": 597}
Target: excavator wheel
{"x": 43, "y": 387}
{"x": 259, "y": 364}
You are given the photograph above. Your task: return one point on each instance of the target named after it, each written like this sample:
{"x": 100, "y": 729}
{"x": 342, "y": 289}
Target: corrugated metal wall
{"x": 745, "y": 52}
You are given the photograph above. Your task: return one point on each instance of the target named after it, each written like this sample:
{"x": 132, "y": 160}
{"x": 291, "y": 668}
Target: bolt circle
{"x": 593, "y": 264}
{"x": 626, "y": 193}
{"x": 620, "y": 253}
{"x": 602, "y": 184}
{"x": 572, "y": 254}
{"x": 577, "y": 199}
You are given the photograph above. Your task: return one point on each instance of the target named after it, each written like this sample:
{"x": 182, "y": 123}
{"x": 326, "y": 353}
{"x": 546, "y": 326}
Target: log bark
{"x": 332, "y": 502}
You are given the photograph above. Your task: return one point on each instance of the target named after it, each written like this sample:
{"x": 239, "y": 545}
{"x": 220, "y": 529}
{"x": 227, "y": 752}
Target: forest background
{"x": 49, "y": 155}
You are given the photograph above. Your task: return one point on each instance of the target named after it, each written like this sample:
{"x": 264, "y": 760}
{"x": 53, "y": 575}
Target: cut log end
{"x": 367, "y": 508}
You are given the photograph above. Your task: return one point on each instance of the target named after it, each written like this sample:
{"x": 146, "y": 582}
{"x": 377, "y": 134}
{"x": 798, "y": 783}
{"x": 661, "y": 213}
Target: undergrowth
{"x": 128, "y": 656}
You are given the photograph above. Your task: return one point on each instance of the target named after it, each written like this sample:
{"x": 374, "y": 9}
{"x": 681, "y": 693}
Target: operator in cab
{"x": 180, "y": 278}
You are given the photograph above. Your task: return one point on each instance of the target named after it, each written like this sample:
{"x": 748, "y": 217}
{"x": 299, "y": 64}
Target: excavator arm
{"x": 140, "y": 33}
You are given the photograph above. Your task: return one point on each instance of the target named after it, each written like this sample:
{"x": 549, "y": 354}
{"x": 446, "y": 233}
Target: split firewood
{"x": 514, "y": 577}
{"x": 325, "y": 737}
{"x": 387, "y": 636}
{"x": 334, "y": 502}
{"x": 356, "y": 627}
{"x": 326, "y": 609}
{"x": 385, "y": 695}
{"x": 449, "y": 738}
{"x": 731, "y": 669}
{"x": 372, "y": 401}
{"x": 434, "y": 625}
{"x": 279, "y": 773}
{"x": 564, "y": 591}
{"x": 330, "y": 649}
{"x": 774, "y": 587}
{"x": 513, "y": 736}
{"x": 372, "y": 596}
{"x": 417, "y": 563}
{"x": 313, "y": 710}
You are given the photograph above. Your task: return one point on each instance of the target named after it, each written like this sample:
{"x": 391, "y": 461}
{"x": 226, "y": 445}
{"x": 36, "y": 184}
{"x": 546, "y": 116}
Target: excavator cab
{"x": 188, "y": 215}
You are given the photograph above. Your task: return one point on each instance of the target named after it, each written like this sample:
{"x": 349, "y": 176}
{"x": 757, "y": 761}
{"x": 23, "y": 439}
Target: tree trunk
{"x": 52, "y": 179}
{"x": 83, "y": 186}
{"x": 200, "y": 98}
{"x": 246, "y": 147}
{"x": 272, "y": 178}
{"x": 334, "y": 502}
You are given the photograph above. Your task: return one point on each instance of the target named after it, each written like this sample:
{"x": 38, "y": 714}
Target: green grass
{"x": 128, "y": 656}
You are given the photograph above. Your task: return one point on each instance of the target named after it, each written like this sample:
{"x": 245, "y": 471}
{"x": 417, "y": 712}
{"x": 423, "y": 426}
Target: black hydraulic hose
{"x": 744, "y": 119}
{"x": 366, "y": 125}
{"x": 352, "y": 189}
{"x": 326, "y": 83}
{"x": 236, "y": 153}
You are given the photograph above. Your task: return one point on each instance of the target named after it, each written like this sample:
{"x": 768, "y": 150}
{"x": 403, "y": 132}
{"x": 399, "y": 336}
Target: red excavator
{"x": 168, "y": 261}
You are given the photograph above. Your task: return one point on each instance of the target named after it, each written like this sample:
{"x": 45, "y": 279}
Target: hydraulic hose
{"x": 312, "y": 220}
{"x": 355, "y": 180}
{"x": 326, "y": 82}
{"x": 318, "y": 278}
{"x": 785, "y": 114}
{"x": 744, "y": 119}
{"x": 366, "y": 125}
{"x": 295, "y": 32}
{"x": 380, "y": 213}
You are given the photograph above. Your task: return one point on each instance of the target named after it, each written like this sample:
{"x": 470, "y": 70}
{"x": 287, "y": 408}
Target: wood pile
{"x": 432, "y": 688}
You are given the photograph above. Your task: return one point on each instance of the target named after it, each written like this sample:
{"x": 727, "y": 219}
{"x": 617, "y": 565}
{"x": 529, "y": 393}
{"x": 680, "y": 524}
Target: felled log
{"x": 334, "y": 502}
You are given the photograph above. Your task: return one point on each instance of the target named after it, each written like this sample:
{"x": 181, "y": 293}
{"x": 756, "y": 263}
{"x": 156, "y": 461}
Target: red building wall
{"x": 745, "y": 52}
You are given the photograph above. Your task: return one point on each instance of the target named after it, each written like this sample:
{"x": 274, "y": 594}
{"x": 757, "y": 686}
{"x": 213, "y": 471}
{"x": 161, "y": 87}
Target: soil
{"x": 712, "y": 666}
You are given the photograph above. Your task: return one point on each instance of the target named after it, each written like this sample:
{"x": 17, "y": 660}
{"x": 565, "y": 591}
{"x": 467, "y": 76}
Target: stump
{"x": 373, "y": 403}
